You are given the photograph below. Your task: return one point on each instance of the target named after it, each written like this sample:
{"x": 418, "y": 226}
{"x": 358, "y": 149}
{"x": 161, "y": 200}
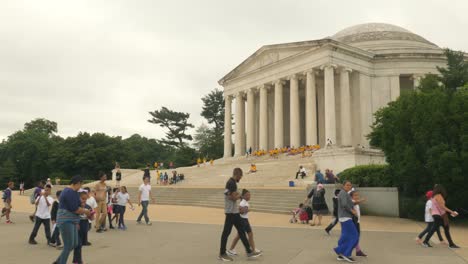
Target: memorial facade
{"x": 326, "y": 90}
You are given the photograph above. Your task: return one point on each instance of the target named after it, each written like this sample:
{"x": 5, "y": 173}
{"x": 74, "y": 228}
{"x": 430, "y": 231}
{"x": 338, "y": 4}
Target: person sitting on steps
{"x": 302, "y": 171}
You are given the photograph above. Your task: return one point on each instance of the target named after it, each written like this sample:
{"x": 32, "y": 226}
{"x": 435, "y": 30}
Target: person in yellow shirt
{"x": 253, "y": 168}
{"x": 198, "y": 162}
{"x": 211, "y": 162}
{"x": 156, "y": 165}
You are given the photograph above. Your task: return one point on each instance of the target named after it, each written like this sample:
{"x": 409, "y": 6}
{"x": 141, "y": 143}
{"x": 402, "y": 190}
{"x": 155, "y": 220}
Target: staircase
{"x": 263, "y": 200}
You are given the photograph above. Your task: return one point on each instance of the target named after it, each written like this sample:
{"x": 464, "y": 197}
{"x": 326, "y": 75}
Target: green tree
{"x": 177, "y": 124}
{"x": 424, "y": 135}
{"x": 41, "y": 125}
{"x": 208, "y": 143}
{"x": 213, "y": 109}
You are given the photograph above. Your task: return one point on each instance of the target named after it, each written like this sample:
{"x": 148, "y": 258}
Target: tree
{"x": 213, "y": 109}
{"x": 208, "y": 143}
{"x": 175, "y": 122}
{"x": 41, "y": 125}
{"x": 424, "y": 135}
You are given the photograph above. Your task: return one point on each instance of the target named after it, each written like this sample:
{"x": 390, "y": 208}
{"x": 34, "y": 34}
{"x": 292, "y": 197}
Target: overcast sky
{"x": 100, "y": 66}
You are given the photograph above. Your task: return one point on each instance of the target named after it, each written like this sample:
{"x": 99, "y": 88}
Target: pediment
{"x": 269, "y": 55}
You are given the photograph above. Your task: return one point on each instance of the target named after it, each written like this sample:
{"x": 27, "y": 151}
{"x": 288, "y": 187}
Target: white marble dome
{"x": 381, "y": 36}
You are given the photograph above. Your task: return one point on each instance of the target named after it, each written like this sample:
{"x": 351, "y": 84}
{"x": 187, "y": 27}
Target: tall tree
{"x": 41, "y": 125}
{"x": 177, "y": 124}
{"x": 456, "y": 74}
{"x": 424, "y": 135}
{"x": 213, "y": 109}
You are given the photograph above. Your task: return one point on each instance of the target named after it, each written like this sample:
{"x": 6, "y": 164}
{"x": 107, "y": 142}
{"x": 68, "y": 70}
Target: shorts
{"x": 246, "y": 225}
{"x": 116, "y": 209}
{"x": 6, "y": 205}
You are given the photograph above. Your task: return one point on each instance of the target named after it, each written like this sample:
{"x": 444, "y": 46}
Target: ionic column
{"x": 239, "y": 149}
{"x": 263, "y": 133}
{"x": 227, "y": 127}
{"x": 250, "y": 118}
{"x": 279, "y": 135}
{"x": 345, "y": 108}
{"x": 330, "y": 115}
{"x": 295, "y": 133}
{"x": 311, "y": 109}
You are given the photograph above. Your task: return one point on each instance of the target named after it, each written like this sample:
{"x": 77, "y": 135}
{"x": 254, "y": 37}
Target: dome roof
{"x": 375, "y": 36}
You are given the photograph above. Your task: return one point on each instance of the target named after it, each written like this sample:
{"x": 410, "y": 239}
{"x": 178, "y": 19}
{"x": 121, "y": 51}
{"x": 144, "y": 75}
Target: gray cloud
{"x": 102, "y": 65}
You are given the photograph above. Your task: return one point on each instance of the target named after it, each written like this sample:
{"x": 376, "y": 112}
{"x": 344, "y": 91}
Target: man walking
{"x": 233, "y": 218}
{"x": 349, "y": 235}
{"x": 144, "y": 196}
{"x": 101, "y": 200}
{"x": 7, "y": 202}
{"x": 42, "y": 217}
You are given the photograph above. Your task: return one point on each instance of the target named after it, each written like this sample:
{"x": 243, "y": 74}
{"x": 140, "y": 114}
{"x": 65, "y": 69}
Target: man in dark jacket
{"x": 335, "y": 212}
{"x": 55, "y": 239}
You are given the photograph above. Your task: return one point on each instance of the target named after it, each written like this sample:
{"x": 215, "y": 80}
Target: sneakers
{"x": 340, "y": 258}
{"x": 225, "y": 257}
{"x": 349, "y": 259}
{"x": 149, "y": 224}
{"x": 32, "y": 242}
{"x": 100, "y": 230}
{"x": 231, "y": 252}
{"x": 9, "y": 222}
{"x": 361, "y": 254}
{"x": 59, "y": 247}
{"x": 426, "y": 245}
{"x": 258, "y": 250}
{"x": 327, "y": 231}
{"x": 139, "y": 223}
{"x": 87, "y": 244}
{"x": 454, "y": 246}
{"x": 253, "y": 254}
{"x": 51, "y": 244}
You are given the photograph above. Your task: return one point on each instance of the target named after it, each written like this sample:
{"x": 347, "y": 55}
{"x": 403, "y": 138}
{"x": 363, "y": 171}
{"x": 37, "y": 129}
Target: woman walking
{"x": 68, "y": 217}
{"x": 319, "y": 206}
{"x": 439, "y": 213}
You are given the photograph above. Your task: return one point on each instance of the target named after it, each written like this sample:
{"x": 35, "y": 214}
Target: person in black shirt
{"x": 55, "y": 240}
{"x": 146, "y": 172}
{"x": 335, "y": 212}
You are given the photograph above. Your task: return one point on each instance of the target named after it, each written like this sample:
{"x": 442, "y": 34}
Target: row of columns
{"x": 310, "y": 113}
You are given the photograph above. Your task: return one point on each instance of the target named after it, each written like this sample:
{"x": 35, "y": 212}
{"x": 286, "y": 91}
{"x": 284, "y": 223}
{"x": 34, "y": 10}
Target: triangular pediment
{"x": 269, "y": 55}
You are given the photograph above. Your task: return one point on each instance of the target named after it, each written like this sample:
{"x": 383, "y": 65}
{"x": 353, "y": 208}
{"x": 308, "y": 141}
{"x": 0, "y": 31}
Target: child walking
{"x": 244, "y": 213}
{"x": 357, "y": 219}
{"x": 335, "y": 213}
{"x": 55, "y": 240}
{"x": 122, "y": 199}
{"x": 429, "y": 220}
{"x": 83, "y": 228}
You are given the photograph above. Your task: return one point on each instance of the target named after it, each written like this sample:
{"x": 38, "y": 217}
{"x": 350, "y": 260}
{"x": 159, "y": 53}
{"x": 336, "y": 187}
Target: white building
{"x": 303, "y": 93}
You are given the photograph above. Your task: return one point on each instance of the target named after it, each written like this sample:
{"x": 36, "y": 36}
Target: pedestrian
{"x": 55, "y": 239}
{"x": 7, "y": 202}
{"x": 429, "y": 220}
{"x": 232, "y": 217}
{"x": 101, "y": 198}
{"x": 21, "y": 188}
{"x": 349, "y": 235}
{"x": 146, "y": 172}
{"x": 68, "y": 218}
{"x": 118, "y": 177}
{"x": 335, "y": 212}
{"x": 319, "y": 205}
{"x": 83, "y": 227}
{"x": 440, "y": 213}
{"x": 244, "y": 213}
{"x": 111, "y": 202}
{"x": 122, "y": 199}
{"x": 91, "y": 201}
{"x": 36, "y": 193}
{"x": 144, "y": 196}
{"x": 42, "y": 216}
{"x": 357, "y": 220}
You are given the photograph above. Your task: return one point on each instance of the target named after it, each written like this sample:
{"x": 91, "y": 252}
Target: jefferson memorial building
{"x": 325, "y": 90}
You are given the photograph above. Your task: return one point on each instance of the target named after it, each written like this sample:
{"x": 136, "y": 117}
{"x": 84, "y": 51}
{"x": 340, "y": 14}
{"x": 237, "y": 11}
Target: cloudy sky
{"x": 100, "y": 66}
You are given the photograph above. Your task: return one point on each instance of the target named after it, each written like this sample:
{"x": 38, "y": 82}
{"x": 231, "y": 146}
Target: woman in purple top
{"x": 68, "y": 217}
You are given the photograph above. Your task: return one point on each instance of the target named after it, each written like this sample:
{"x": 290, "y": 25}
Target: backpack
{"x": 4, "y": 195}
{"x": 32, "y": 197}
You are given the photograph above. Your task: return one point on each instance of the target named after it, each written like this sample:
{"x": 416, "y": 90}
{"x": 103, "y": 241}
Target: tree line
{"x": 37, "y": 152}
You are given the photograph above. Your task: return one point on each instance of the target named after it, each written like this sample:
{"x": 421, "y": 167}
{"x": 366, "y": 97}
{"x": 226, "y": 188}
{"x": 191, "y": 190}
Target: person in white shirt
{"x": 429, "y": 220}
{"x": 244, "y": 213}
{"x": 302, "y": 172}
{"x": 144, "y": 196}
{"x": 91, "y": 202}
{"x": 122, "y": 199}
{"x": 357, "y": 219}
{"x": 42, "y": 215}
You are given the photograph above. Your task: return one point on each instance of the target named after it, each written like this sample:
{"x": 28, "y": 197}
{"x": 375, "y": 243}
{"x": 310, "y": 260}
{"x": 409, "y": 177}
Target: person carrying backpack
{"x": 6, "y": 197}
{"x": 36, "y": 194}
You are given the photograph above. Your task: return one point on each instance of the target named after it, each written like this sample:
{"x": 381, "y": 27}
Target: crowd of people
{"x": 69, "y": 216}
{"x": 305, "y": 151}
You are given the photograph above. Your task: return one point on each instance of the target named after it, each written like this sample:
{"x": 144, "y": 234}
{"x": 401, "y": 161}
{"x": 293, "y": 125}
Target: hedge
{"x": 368, "y": 176}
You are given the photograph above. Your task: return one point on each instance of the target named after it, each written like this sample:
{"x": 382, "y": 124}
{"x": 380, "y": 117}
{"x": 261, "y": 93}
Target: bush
{"x": 412, "y": 208}
{"x": 368, "y": 176}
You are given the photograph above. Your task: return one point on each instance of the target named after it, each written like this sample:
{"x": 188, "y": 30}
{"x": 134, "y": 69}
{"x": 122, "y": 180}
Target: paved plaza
{"x": 180, "y": 243}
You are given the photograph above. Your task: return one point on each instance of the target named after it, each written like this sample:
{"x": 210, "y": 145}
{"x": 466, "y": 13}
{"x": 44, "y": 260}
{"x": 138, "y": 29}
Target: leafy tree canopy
{"x": 175, "y": 122}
